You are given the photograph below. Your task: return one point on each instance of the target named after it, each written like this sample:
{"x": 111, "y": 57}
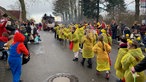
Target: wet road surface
{"x": 50, "y": 57}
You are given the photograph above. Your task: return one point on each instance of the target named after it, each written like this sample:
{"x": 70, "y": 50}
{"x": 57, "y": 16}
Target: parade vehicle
{"x": 48, "y": 22}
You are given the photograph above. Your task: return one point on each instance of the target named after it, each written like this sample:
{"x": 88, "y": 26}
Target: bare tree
{"x": 23, "y": 9}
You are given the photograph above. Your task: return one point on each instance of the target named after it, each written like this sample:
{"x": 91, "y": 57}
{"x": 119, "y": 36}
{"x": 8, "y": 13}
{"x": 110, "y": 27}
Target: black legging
{"x": 89, "y": 61}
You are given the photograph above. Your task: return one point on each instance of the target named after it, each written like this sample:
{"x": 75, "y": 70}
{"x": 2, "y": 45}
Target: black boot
{"x": 90, "y": 66}
{"x": 82, "y": 62}
{"x": 89, "y": 63}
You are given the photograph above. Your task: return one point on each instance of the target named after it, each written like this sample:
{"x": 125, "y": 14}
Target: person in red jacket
{"x": 15, "y": 60}
{"x": 2, "y": 27}
{"x": 3, "y": 40}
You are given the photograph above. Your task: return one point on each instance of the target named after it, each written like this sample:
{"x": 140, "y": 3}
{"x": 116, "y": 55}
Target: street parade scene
{"x": 72, "y": 40}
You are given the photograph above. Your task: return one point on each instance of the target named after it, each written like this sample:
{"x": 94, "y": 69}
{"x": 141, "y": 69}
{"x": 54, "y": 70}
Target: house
{"x": 14, "y": 14}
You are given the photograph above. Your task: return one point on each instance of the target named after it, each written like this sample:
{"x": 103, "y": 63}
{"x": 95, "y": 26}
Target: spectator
{"x": 2, "y": 26}
{"x": 127, "y": 31}
{"x": 114, "y": 29}
{"x": 3, "y": 40}
{"x": 28, "y": 29}
{"x": 144, "y": 41}
{"x": 142, "y": 30}
{"x": 119, "y": 33}
{"x": 135, "y": 26}
{"x": 135, "y": 34}
{"x": 122, "y": 27}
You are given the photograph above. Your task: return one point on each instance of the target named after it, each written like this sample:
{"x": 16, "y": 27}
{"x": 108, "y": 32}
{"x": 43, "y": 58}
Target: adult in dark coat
{"x": 142, "y": 30}
{"x": 114, "y": 29}
{"x": 28, "y": 29}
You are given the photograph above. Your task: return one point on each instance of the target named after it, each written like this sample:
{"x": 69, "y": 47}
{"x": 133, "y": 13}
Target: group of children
{"x": 90, "y": 42}
{"x": 97, "y": 42}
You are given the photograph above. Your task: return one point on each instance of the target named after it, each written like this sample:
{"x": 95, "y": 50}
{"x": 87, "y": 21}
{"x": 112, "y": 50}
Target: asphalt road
{"x": 50, "y": 57}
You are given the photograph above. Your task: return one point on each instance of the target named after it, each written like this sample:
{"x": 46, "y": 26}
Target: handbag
{"x": 25, "y": 60}
{"x": 71, "y": 45}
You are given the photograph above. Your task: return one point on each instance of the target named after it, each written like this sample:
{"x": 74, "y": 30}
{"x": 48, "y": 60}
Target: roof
{"x": 15, "y": 13}
{"x": 8, "y": 13}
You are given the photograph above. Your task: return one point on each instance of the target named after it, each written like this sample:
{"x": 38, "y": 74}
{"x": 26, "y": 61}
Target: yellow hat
{"x": 130, "y": 41}
{"x": 127, "y": 35}
{"x": 103, "y": 31}
{"x": 138, "y": 38}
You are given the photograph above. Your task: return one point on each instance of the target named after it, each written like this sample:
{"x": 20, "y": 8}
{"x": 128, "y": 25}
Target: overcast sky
{"x": 39, "y": 7}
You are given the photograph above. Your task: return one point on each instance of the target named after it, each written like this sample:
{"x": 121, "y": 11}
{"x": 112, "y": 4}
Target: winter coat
{"x": 2, "y": 28}
{"x": 102, "y": 57}
{"x": 81, "y": 33}
{"x": 4, "y": 39}
{"x": 75, "y": 39}
{"x": 28, "y": 29}
{"x": 144, "y": 40}
{"x": 87, "y": 47}
{"x": 143, "y": 29}
{"x": 114, "y": 27}
{"x": 133, "y": 57}
{"x": 61, "y": 34}
{"x": 137, "y": 27}
{"x": 118, "y": 65}
{"x": 107, "y": 38}
{"x": 119, "y": 32}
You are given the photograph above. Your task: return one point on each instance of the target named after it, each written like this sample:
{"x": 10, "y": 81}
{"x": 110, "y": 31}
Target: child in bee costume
{"x": 87, "y": 53}
{"x": 102, "y": 49}
{"x": 130, "y": 59}
{"x": 73, "y": 37}
{"x": 118, "y": 66}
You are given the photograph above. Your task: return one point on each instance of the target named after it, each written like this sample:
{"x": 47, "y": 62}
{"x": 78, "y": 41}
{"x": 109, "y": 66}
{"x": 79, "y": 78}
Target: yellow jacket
{"x": 118, "y": 65}
{"x": 61, "y": 36}
{"x": 102, "y": 58}
{"x": 80, "y": 33}
{"x": 66, "y": 33}
{"x": 87, "y": 47}
{"x": 57, "y": 29}
{"x": 74, "y": 37}
{"x": 105, "y": 38}
{"x": 133, "y": 57}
